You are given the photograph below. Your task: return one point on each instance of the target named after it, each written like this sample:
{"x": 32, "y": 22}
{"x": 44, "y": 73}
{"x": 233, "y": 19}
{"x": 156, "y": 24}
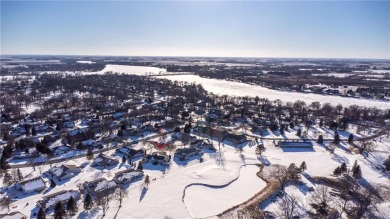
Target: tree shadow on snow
{"x": 88, "y": 214}
{"x": 264, "y": 160}
{"x": 143, "y": 193}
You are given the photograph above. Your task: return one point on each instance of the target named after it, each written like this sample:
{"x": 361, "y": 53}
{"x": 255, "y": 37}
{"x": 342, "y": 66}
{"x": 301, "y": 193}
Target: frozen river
{"x": 223, "y": 87}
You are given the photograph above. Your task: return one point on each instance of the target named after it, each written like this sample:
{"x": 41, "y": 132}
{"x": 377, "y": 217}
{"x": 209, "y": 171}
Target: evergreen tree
{"x": 320, "y": 139}
{"x": 337, "y": 171}
{"x": 41, "y": 214}
{"x": 354, "y": 166}
{"x": 336, "y": 138}
{"x": 274, "y": 126}
{"x": 124, "y": 159}
{"x": 299, "y": 132}
{"x": 28, "y": 132}
{"x": 303, "y": 166}
{"x": 140, "y": 167}
{"x": 4, "y": 163}
{"x": 350, "y": 138}
{"x": 282, "y": 128}
{"x": 147, "y": 180}
{"x": 123, "y": 127}
{"x": 33, "y": 131}
{"x": 89, "y": 154}
{"x": 88, "y": 202}
{"x": 357, "y": 172}
{"x": 58, "y": 127}
{"x": 292, "y": 125}
{"x": 187, "y": 128}
{"x": 59, "y": 211}
{"x": 5, "y": 136}
{"x": 7, "y": 179}
{"x": 20, "y": 175}
{"x": 52, "y": 183}
{"x": 120, "y": 133}
{"x": 343, "y": 167}
{"x": 321, "y": 122}
{"x": 71, "y": 206}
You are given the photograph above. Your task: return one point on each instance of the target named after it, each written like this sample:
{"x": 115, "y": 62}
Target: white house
{"x": 32, "y": 185}
{"x": 127, "y": 176}
{"x": 49, "y": 202}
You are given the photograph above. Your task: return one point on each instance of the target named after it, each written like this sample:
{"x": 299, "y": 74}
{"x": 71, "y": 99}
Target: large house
{"x": 236, "y": 139}
{"x": 103, "y": 160}
{"x": 127, "y": 176}
{"x": 158, "y": 158}
{"x": 63, "y": 172}
{"x": 32, "y": 185}
{"x": 185, "y": 153}
{"x": 100, "y": 187}
{"x": 49, "y": 202}
{"x": 129, "y": 151}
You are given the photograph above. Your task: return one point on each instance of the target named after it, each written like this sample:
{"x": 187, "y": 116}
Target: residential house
{"x": 235, "y": 138}
{"x": 100, "y": 187}
{"x": 103, "y": 160}
{"x": 129, "y": 151}
{"x": 49, "y": 202}
{"x": 158, "y": 158}
{"x": 60, "y": 150}
{"x": 64, "y": 172}
{"x": 31, "y": 185}
{"x": 185, "y": 153}
{"x": 128, "y": 176}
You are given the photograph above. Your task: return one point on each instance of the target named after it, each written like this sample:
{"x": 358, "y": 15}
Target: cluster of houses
{"x": 221, "y": 134}
{"x": 101, "y": 187}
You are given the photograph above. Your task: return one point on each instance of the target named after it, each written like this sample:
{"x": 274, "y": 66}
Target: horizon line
{"x": 192, "y": 56}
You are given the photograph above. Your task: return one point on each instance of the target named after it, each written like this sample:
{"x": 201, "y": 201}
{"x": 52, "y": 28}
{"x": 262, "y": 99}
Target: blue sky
{"x": 351, "y": 29}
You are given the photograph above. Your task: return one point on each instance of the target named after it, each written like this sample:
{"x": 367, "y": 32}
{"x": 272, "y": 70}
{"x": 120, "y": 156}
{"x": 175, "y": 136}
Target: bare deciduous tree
{"x": 367, "y": 146}
{"x": 32, "y": 160}
{"x": 6, "y": 202}
{"x": 320, "y": 199}
{"x": 120, "y": 194}
{"x": 289, "y": 207}
{"x": 104, "y": 200}
{"x": 279, "y": 173}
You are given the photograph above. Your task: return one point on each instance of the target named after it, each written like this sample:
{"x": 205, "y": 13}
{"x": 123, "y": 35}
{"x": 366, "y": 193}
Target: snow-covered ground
{"x": 205, "y": 201}
{"x": 85, "y": 62}
{"x": 135, "y": 70}
{"x": 165, "y": 192}
{"x": 223, "y": 87}
{"x": 337, "y": 75}
{"x": 231, "y": 88}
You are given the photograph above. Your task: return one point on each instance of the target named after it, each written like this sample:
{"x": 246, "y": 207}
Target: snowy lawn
{"x": 203, "y": 201}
